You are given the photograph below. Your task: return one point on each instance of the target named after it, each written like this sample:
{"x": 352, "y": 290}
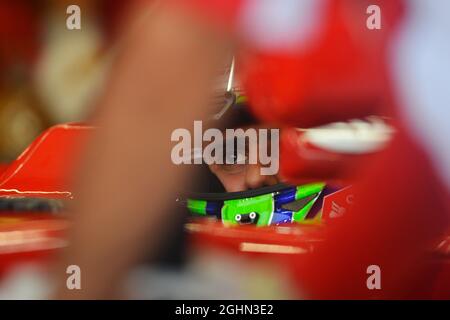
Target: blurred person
{"x": 161, "y": 82}
{"x": 141, "y": 105}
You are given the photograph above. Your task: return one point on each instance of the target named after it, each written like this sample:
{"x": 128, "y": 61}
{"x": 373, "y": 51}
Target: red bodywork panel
{"x": 42, "y": 170}
{"x": 26, "y": 237}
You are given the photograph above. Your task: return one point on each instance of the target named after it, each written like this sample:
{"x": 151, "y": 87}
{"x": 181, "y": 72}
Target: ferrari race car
{"x": 36, "y": 186}
{"x": 272, "y": 222}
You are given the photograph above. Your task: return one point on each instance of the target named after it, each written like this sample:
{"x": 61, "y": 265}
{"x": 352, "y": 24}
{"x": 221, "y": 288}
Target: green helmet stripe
{"x": 308, "y": 189}
{"x": 197, "y": 206}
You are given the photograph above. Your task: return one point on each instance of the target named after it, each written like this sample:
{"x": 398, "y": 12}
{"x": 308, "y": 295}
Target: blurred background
{"x": 50, "y": 74}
